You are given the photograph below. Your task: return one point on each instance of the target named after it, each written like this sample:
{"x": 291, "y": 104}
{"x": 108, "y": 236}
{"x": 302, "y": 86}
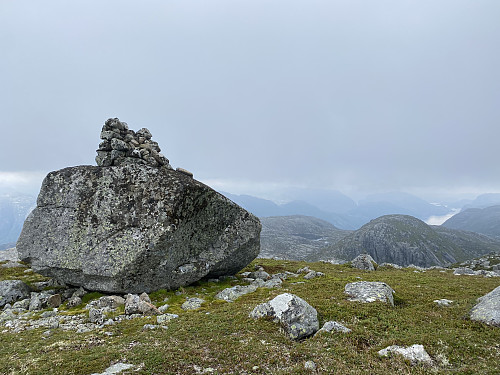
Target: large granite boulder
{"x": 134, "y": 227}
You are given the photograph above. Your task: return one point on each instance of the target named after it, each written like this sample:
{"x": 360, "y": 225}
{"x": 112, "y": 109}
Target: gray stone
{"x": 80, "y": 292}
{"x": 231, "y": 294}
{"x": 135, "y": 228}
{"x": 312, "y": 274}
{"x": 150, "y": 327}
{"x": 333, "y": 326}
{"x": 464, "y": 271}
{"x": 73, "y": 302}
{"x": 310, "y": 365}
{"x": 13, "y": 290}
{"x": 443, "y": 302}
{"x": 132, "y": 304}
{"x": 369, "y": 291}
{"x": 165, "y": 318}
{"x": 298, "y": 319}
{"x": 259, "y": 275}
{"x": 116, "y": 369}
{"x": 163, "y": 308}
{"x": 487, "y": 310}
{"x": 119, "y": 145}
{"x": 192, "y": 303}
{"x": 364, "y": 262}
{"x": 96, "y": 316}
{"x": 23, "y": 304}
{"x": 416, "y": 354}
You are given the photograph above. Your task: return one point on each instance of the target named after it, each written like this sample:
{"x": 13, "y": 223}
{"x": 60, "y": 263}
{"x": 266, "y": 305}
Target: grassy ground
{"x": 220, "y": 335}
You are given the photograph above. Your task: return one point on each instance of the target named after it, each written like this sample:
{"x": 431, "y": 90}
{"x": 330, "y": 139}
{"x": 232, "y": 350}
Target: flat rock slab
{"x": 487, "y": 309}
{"x": 416, "y": 354}
{"x": 333, "y": 326}
{"x": 296, "y": 316}
{"x": 369, "y": 291}
{"x": 133, "y": 228}
{"x": 231, "y": 294}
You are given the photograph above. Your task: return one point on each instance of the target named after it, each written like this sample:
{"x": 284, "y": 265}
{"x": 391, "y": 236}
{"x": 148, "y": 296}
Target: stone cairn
{"x": 120, "y": 145}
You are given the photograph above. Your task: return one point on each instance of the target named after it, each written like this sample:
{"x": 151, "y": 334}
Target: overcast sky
{"x": 256, "y": 96}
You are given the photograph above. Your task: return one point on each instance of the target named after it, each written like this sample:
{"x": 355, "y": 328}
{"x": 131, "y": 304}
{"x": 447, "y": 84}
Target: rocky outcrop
{"x": 132, "y": 227}
{"x": 296, "y": 316}
{"x": 487, "y": 310}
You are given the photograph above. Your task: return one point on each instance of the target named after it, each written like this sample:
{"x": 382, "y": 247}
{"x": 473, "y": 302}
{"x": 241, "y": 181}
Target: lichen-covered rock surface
{"x": 298, "y": 319}
{"x": 487, "y": 310}
{"x": 133, "y": 228}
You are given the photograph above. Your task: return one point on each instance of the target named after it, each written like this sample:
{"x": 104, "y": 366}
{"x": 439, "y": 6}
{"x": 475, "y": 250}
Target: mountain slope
{"x": 405, "y": 240}
{"x": 296, "y": 237}
{"x": 485, "y": 220}
{"x": 13, "y": 210}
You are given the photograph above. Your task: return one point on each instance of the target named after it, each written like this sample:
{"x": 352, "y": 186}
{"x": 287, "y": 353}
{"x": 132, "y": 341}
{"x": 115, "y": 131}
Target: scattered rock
{"x": 133, "y": 225}
{"x": 312, "y": 274}
{"x": 416, "y": 354}
{"x": 165, "y": 318}
{"x": 487, "y": 310}
{"x": 13, "y": 290}
{"x": 303, "y": 270}
{"x": 73, "y": 302}
{"x": 310, "y": 365}
{"x": 364, "y": 262}
{"x": 259, "y": 275}
{"x": 272, "y": 283}
{"x": 463, "y": 271}
{"x": 369, "y": 291}
{"x": 192, "y": 303}
{"x": 96, "y": 316}
{"x": 163, "y": 308}
{"x": 333, "y": 326}
{"x": 231, "y": 294}
{"x": 443, "y": 302}
{"x": 391, "y": 265}
{"x": 116, "y": 369}
{"x": 296, "y": 316}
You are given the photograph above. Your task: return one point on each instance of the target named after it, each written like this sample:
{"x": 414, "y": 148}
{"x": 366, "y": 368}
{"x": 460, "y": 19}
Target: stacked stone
{"x": 120, "y": 146}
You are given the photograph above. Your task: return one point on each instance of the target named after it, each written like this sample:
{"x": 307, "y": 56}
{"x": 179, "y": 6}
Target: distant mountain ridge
{"x": 480, "y": 220}
{"x": 406, "y": 240}
{"x": 348, "y": 214}
{"x": 13, "y": 211}
{"x": 296, "y": 237}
